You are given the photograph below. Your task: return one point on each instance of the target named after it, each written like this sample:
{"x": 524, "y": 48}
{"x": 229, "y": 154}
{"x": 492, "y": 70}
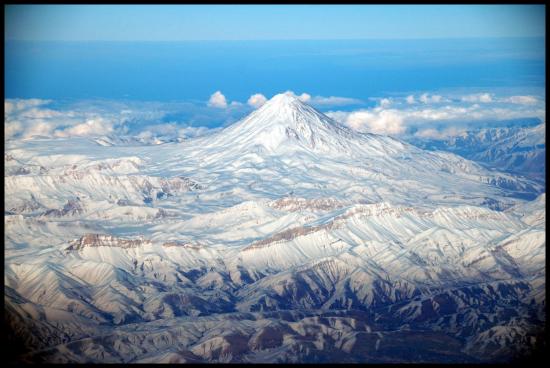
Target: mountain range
{"x": 285, "y": 237}
{"x": 519, "y": 150}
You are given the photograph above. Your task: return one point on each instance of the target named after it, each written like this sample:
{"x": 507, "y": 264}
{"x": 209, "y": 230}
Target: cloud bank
{"x": 522, "y": 100}
{"x": 27, "y": 119}
{"x": 323, "y": 101}
{"x": 437, "y": 115}
{"x": 426, "y": 98}
{"x": 423, "y": 114}
{"x": 12, "y": 106}
{"x": 35, "y": 118}
{"x": 480, "y": 98}
{"x": 377, "y": 120}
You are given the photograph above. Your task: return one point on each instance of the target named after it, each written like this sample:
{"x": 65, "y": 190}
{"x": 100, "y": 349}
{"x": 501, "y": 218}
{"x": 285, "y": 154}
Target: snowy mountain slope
{"x": 533, "y": 212}
{"x": 519, "y": 150}
{"x": 321, "y": 155}
{"x": 284, "y": 236}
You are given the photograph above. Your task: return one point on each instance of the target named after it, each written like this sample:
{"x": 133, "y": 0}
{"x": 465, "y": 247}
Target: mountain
{"x": 518, "y": 150}
{"x": 286, "y": 124}
{"x": 285, "y": 237}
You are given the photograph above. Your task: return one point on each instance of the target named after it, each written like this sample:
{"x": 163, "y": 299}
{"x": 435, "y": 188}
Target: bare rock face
{"x": 179, "y": 184}
{"x": 101, "y": 240}
{"x": 294, "y": 204}
{"x": 27, "y": 206}
{"x": 160, "y": 188}
{"x": 223, "y": 348}
{"x": 268, "y": 337}
{"x": 167, "y": 187}
{"x": 123, "y": 202}
{"x": 295, "y": 232}
{"x": 73, "y": 207}
{"x": 187, "y": 245}
{"x": 105, "y": 240}
{"x": 161, "y": 213}
{"x": 286, "y": 235}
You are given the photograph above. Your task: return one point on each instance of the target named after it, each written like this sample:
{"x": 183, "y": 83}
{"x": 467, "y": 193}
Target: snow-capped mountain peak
{"x": 282, "y": 99}
{"x": 284, "y": 122}
{"x": 291, "y": 112}
{"x": 285, "y": 107}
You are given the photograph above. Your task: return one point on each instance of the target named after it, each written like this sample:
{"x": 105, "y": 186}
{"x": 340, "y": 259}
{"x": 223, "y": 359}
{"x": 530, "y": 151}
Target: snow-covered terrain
{"x": 285, "y": 237}
{"x": 519, "y": 150}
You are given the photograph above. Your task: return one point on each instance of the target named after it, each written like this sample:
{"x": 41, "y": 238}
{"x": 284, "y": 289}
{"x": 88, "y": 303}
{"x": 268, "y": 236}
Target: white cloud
{"x": 425, "y": 98}
{"x": 469, "y": 113}
{"x": 25, "y": 119}
{"x": 39, "y": 128}
{"x": 9, "y": 107}
{"x": 397, "y": 119}
{"x": 305, "y": 97}
{"x": 92, "y": 118}
{"x": 439, "y": 134}
{"x": 171, "y": 131}
{"x": 435, "y": 114}
{"x": 333, "y": 101}
{"x": 385, "y": 102}
{"x": 377, "y": 120}
{"x": 485, "y": 98}
{"x": 189, "y": 132}
{"x": 339, "y": 116}
{"x": 217, "y": 99}
{"x": 92, "y": 127}
{"x": 428, "y": 133}
{"x": 522, "y": 100}
{"x": 11, "y": 128}
{"x": 410, "y": 99}
{"x": 480, "y": 97}
{"x": 256, "y": 100}
{"x": 15, "y": 105}
{"x": 36, "y": 113}
{"x": 145, "y": 135}
{"x": 325, "y": 101}
{"x": 160, "y": 129}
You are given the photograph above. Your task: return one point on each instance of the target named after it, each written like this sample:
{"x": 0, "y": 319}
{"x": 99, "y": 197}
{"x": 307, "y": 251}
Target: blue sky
{"x": 263, "y": 22}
